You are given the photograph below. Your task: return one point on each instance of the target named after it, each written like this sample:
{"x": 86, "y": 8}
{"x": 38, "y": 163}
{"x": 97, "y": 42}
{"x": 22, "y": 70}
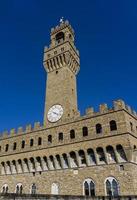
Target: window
{"x": 33, "y": 188}
{"x": 91, "y": 157}
{"x": 112, "y": 187}
{"x": 23, "y": 144}
{"x": 60, "y": 136}
{"x": 5, "y": 188}
{"x": 31, "y": 142}
{"x": 39, "y": 141}
{"x": 82, "y": 158}
{"x": 113, "y": 125}
{"x": 54, "y": 188}
{"x": 101, "y": 155}
{"x": 14, "y": 146}
{"x": 60, "y": 37}
{"x": 88, "y": 188}
{"x": 7, "y": 147}
{"x": 121, "y": 153}
{"x": 73, "y": 159}
{"x": 110, "y": 154}
{"x": 131, "y": 126}
{"x": 85, "y": 131}
{"x": 121, "y": 167}
{"x": 49, "y": 139}
{"x": 72, "y": 134}
{"x": 98, "y": 128}
{"x": 19, "y": 188}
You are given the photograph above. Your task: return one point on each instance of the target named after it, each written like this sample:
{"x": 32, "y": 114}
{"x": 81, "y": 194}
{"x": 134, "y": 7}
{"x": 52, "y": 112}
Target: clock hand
{"x": 55, "y": 113}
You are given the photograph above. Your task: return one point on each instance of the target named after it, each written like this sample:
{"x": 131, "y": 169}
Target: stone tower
{"x": 61, "y": 62}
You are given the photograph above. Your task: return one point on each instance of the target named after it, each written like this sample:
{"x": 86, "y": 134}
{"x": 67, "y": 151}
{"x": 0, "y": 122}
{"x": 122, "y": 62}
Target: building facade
{"x": 93, "y": 155}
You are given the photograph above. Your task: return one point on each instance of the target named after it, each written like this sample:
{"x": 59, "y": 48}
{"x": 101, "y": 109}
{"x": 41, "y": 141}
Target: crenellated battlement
{"x": 103, "y": 109}
{"x": 20, "y": 130}
{"x": 117, "y": 105}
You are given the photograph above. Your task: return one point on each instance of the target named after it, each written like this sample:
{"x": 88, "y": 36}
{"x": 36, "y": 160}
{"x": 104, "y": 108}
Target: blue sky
{"x": 106, "y": 36}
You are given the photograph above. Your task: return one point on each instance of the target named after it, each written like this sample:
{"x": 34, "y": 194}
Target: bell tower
{"x": 61, "y": 62}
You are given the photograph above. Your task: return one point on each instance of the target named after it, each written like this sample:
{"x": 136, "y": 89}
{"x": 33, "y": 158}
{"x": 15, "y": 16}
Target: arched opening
{"x": 113, "y": 125}
{"x": 85, "y": 131}
{"x": 5, "y": 189}
{"x": 14, "y": 146}
{"x": 7, "y": 147}
{"x": 31, "y": 142}
{"x": 60, "y": 137}
{"x": 110, "y": 154}
{"x": 32, "y": 165}
{"x": 98, "y": 128}
{"x": 65, "y": 160}
{"x": 51, "y": 162}
{"x": 58, "y": 163}
{"x": 73, "y": 159}
{"x": 131, "y": 126}
{"x": 88, "y": 187}
{"x": 82, "y": 158}
{"x": 55, "y": 189}
{"x": 112, "y": 187}
{"x": 39, "y": 141}
{"x": 101, "y": 155}
{"x": 23, "y": 144}
{"x": 72, "y": 134}
{"x": 59, "y": 37}
{"x": 91, "y": 157}
{"x": 19, "y": 188}
{"x": 49, "y": 139}
{"x": 13, "y": 167}
{"x": 121, "y": 153}
{"x": 33, "y": 189}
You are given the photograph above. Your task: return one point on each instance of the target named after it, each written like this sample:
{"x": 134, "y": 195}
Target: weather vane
{"x": 61, "y": 20}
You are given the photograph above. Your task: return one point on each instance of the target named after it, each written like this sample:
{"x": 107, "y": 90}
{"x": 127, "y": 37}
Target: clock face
{"x": 55, "y": 113}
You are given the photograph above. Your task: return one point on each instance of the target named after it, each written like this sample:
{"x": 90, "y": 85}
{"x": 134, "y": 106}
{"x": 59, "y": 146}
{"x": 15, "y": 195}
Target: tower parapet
{"x": 62, "y": 51}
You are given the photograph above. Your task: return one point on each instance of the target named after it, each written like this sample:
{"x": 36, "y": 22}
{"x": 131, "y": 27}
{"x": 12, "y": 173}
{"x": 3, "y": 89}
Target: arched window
{"x": 58, "y": 164}
{"x": 91, "y": 157}
{"x": 49, "y": 139}
{"x": 131, "y": 126}
{"x": 33, "y": 188}
{"x": 73, "y": 159}
{"x": 85, "y": 131}
{"x": 23, "y": 144}
{"x": 88, "y": 187}
{"x": 72, "y": 134}
{"x": 101, "y": 155}
{"x": 121, "y": 153}
{"x": 60, "y": 136}
{"x": 39, "y": 141}
{"x": 65, "y": 161}
{"x": 14, "y": 146}
{"x": 19, "y": 188}
{"x": 110, "y": 154}
{"x": 60, "y": 37}
{"x": 31, "y": 142}
{"x": 112, "y": 187}
{"x": 82, "y": 158}
{"x": 51, "y": 162}
{"x": 5, "y": 188}
{"x": 54, "y": 188}
{"x": 7, "y": 147}
{"x": 98, "y": 128}
{"x": 113, "y": 125}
